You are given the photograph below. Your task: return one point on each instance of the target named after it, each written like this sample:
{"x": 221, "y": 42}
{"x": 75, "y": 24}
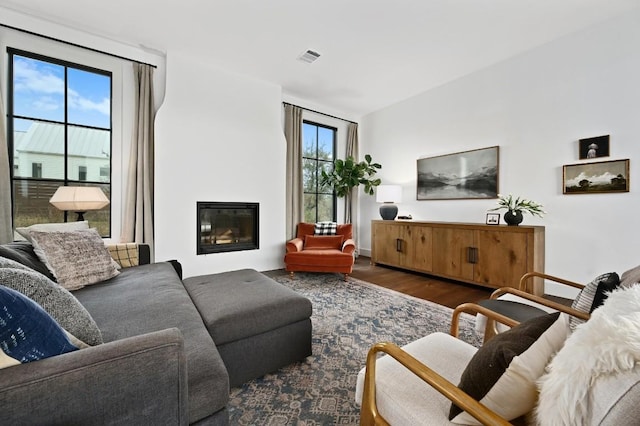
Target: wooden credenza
{"x": 489, "y": 255}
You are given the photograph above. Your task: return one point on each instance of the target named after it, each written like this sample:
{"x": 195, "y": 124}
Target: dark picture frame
{"x": 591, "y": 148}
{"x": 493, "y": 219}
{"x": 598, "y": 177}
{"x": 462, "y": 175}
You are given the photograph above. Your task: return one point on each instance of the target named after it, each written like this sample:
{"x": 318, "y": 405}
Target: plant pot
{"x": 513, "y": 217}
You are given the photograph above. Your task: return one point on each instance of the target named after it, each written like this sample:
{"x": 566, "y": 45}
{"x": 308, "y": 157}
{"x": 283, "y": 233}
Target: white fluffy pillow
{"x": 607, "y": 344}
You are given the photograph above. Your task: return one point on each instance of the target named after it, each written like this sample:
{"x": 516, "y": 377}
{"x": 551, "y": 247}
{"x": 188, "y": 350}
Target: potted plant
{"x": 515, "y": 206}
{"x": 348, "y": 174}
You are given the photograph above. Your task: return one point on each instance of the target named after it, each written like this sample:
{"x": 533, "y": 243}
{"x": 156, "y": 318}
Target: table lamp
{"x": 79, "y": 199}
{"x": 388, "y": 194}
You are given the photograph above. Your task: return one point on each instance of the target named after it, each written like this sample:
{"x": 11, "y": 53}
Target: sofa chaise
{"x": 171, "y": 347}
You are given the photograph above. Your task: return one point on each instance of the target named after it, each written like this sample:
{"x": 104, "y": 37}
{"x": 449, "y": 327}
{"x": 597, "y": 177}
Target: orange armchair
{"x": 321, "y": 253}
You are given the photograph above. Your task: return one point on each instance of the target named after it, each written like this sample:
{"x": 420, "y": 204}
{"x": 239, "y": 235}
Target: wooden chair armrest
{"x": 472, "y": 308}
{"x": 295, "y": 245}
{"x": 523, "y": 280}
{"x": 369, "y": 414}
{"x": 549, "y": 303}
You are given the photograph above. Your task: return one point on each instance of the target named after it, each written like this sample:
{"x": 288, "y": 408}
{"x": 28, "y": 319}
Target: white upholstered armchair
{"x": 545, "y": 371}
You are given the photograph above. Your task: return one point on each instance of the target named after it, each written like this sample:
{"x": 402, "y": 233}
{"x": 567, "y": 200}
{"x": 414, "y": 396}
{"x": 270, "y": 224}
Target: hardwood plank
{"x": 444, "y": 292}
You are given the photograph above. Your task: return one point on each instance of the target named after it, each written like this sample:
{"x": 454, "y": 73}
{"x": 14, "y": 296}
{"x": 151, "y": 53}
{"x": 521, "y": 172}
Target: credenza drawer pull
{"x": 472, "y": 255}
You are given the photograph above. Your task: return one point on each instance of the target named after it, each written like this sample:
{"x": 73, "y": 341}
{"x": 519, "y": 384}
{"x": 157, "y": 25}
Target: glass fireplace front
{"x": 226, "y": 227}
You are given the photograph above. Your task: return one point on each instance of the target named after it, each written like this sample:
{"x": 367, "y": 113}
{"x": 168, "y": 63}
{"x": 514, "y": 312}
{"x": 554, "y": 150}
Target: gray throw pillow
{"x": 58, "y": 302}
{"x": 51, "y": 227}
{"x": 76, "y": 258}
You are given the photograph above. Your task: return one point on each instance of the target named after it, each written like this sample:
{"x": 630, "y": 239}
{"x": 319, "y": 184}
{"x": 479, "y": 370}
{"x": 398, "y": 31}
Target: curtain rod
{"x": 74, "y": 44}
{"x": 318, "y": 112}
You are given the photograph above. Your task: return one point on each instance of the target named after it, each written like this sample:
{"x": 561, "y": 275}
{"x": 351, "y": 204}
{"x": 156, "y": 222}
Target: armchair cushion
{"x": 318, "y": 242}
{"x": 502, "y": 375}
{"x": 402, "y": 397}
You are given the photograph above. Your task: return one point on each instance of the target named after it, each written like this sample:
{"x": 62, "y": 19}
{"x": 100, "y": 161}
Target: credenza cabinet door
{"x": 417, "y": 246}
{"x": 502, "y": 258}
{"x": 385, "y": 239}
{"x": 451, "y": 252}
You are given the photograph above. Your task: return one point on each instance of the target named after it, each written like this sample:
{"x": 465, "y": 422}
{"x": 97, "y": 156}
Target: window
{"x": 319, "y": 144}
{"x": 36, "y": 170}
{"x": 59, "y": 121}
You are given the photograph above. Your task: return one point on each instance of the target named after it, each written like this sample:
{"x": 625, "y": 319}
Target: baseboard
{"x": 365, "y": 252}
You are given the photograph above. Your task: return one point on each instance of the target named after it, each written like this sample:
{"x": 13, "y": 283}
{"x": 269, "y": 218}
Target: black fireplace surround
{"x": 227, "y": 226}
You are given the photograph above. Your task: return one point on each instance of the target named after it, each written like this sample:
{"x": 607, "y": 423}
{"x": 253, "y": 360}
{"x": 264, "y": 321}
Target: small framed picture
{"x": 598, "y": 177}
{"x": 493, "y": 218}
{"x": 594, "y": 147}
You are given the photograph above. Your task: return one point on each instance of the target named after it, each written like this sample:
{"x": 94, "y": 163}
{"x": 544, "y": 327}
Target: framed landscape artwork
{"x": 591, "y": 178}
{"x": 594, "y": 147}
{"x": 463, "y": 175}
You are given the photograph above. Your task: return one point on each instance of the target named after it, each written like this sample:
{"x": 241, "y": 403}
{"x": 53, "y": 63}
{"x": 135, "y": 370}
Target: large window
{"x": 317, "y": 155}
{"x": 59, "y": 121}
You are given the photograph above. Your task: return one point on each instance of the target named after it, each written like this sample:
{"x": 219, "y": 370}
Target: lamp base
{"x": 388, "y": 211}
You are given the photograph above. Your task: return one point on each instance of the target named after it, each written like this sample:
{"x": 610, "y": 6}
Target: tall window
{"x": 59, "y": 121}
{"x": 317, "y": 155}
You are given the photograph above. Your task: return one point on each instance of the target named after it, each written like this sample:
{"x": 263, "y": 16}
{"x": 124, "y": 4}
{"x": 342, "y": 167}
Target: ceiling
{"x": 373, "y": 52}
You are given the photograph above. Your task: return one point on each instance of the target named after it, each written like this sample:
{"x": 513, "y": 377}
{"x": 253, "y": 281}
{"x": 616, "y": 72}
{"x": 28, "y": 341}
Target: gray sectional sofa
{"x": 171, "y": 348}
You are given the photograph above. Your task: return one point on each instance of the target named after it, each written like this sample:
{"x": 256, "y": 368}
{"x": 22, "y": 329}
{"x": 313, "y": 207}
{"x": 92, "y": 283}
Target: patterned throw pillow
{"x": 326, "y": 228}
{"x": 27, "y": 332}
{"x": 593, "y": 295}
{"x": 58, "y": 302}
{"x": 76, "y": 258}
{"x": 125, "y": 254}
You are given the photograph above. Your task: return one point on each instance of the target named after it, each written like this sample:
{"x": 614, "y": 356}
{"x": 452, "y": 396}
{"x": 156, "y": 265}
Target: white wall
{"x": 535, "y": 107}
{"x": 218, "y": 138}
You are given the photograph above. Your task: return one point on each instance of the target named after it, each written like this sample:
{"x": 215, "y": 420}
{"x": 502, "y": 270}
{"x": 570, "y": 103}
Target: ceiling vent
{"x": 309, "y": 56}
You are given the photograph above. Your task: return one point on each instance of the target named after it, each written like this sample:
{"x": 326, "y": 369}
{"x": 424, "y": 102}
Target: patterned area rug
{"x": 348, "y": 317}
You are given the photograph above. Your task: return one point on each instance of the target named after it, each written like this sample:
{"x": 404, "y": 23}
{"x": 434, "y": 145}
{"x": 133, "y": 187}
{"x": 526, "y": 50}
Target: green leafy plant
{"x": 348, "y": 174}
{"x": 519, "y": 204}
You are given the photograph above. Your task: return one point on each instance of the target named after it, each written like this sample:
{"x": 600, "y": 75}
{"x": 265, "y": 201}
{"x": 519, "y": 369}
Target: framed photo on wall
{"x": 594, "y": 147}
{"x": 463, "y": 175}
{"x": 600, "y": 177}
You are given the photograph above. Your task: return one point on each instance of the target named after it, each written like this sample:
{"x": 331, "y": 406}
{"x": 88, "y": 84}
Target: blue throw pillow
{"x": 27, "y": 332}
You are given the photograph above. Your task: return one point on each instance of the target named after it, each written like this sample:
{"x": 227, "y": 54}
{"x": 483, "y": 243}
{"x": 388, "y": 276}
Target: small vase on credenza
{"x": 513, "y": 217}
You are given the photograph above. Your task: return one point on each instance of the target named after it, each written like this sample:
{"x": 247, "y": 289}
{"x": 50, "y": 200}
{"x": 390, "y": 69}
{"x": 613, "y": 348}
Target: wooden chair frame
{"x": 491, "y": 326}
{"x": 369, "y": 414}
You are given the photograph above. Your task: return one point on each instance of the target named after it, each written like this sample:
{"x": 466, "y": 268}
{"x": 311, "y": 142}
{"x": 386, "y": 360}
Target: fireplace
{"x": 226, "y": 227}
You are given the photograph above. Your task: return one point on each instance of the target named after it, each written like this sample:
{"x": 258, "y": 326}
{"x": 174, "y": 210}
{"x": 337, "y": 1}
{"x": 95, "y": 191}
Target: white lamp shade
{"x": 388, "y": 194}
{"x": 79, "y": 198}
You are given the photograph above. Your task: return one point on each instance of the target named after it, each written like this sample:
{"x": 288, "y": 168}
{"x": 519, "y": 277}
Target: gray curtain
{"x": 294, "y": 191}
{"x": 137, "y": 223}
{"x": 6, "y": 227}
{"x": 351, "y": 201}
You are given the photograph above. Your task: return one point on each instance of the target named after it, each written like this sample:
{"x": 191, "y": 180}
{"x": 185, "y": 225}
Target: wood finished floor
{"x": 444, "y": 292}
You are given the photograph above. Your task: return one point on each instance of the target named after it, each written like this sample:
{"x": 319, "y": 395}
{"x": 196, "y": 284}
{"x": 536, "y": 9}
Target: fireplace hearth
{"x": 227, "y": 226}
